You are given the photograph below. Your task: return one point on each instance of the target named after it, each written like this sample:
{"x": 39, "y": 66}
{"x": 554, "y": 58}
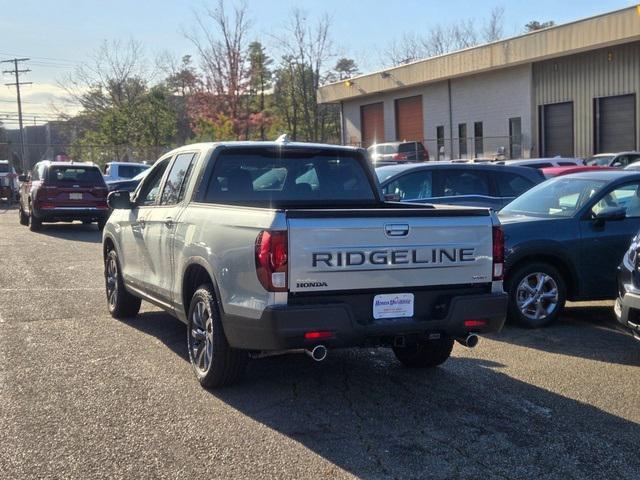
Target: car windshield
{"x": 558, "y": 197}
{"x": 4, "y": 167}
{"x": 599, "y": 160}
{"x": 141, "y": 175}
{"x": 75, "y": 174}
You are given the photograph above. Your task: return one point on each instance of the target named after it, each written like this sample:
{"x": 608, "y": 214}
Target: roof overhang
{"x": 615, "y": 28}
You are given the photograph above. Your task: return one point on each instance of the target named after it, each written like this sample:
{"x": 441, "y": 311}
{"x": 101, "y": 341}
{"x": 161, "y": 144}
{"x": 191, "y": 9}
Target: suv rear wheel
{"x": 121, "y": 303}
{"x": 537, "y": 293}
{"x": 425, "y": 354}
{"x": 214, "y": 361}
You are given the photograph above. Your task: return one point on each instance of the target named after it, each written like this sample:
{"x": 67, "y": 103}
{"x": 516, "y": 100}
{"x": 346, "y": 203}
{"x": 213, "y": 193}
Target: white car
{"x": 542, "y": 162}
{"x": 122, "y": 170}
{"x": 9, "y": 178}
{"x": 619, "y": 160}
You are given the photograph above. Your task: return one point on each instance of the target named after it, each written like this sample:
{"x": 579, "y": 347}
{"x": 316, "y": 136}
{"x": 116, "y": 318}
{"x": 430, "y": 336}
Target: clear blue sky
{"x": 71, "y": 30}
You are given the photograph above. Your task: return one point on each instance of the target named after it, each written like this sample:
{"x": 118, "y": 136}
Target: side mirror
{"x": 392, "y": 197}
{"x": 120, "y": 199}
{"x": 611, "y": 214}
{"x": 23, "y": 178}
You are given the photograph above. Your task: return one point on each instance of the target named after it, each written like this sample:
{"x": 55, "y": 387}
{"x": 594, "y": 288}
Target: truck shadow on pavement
{"x": 363, "y": 412}
{"x": 77, "y": 232}
{"x": 586, "y": 332}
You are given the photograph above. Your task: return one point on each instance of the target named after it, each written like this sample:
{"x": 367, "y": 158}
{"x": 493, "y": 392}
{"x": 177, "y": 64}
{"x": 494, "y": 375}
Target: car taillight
{"x": 498, "y": 253}
{"x": 399, "y": 156}
{"x": 49, "y": 191}
{"x": 271, "y": 260}
{"x": 99, "y": 192}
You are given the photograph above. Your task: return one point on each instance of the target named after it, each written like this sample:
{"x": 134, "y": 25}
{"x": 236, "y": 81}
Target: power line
{"x": 16, "y": 71}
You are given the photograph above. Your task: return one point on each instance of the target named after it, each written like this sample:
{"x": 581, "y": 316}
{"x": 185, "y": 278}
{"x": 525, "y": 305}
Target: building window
{"x": 440, "y": 141}
{"x": 462, "y": 140}
{"x": 477, "y": 139}
{"x": 515, "y": 137}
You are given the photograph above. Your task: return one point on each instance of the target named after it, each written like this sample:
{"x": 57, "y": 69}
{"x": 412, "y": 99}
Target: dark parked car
{"x": 627, "y": 306}
{"x": 564, "y": 240}
{"x": 397, "y": 152}
{"x": 479, "y": 185}
{"x": 63, "y": 192}
{"x": 129, "y": 184}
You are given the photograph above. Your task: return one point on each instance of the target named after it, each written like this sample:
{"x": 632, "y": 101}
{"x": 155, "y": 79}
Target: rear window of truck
{"x": 267, "y": 179}
{"x": 75, "y": 174}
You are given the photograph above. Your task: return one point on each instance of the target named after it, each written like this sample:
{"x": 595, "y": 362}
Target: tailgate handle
{"x": 396, "y": 229}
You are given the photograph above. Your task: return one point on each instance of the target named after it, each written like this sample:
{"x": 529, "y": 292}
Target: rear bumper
{"x": 62, "y": 214}
{"x": 283, "y": 327}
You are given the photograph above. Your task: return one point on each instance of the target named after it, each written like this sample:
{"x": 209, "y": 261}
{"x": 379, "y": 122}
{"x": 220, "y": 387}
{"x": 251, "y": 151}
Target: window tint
{"x": 412, "y": 186}
{"x": 173, "y": 190}
{"x": 4, "y": 167}
{"x": 542, "y": 165}
{"x": 511, "y": 185}
{"x": 149, "y": 189}
{"x": 627, "y": 197}
{"x": 464, "y": 182}
{"x": 251, "y": 177}
{"x": 75, "y": 174}
{"x": 130, "y": 171}
{"x": 566, "y": 164}
{"x": 410, "y": 147}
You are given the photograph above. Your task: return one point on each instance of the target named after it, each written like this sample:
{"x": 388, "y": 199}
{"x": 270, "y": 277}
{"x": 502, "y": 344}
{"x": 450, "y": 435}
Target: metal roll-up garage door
{"x": 615, "y": 122}
{"x": 557, "y": 129}
{"x": 409, "y": 120}
{"x": 372, "y": 123}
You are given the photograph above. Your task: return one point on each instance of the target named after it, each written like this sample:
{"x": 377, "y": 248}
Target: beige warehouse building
{"x": 570, "y": 90}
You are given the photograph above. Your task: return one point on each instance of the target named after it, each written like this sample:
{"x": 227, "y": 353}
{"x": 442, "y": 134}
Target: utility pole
{"x": 17, "y": 72}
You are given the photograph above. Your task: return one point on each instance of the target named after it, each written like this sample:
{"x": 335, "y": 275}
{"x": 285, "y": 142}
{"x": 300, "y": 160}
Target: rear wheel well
{"x": 567, "y": 276}
{"x": 194, "y": 276}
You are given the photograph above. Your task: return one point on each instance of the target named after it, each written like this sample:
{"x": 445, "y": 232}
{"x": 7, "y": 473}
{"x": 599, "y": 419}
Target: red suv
{"x": 63, "y": 192}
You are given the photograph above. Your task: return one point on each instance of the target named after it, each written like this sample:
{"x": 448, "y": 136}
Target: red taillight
{"x": 399, "y": 156}
{"x": 49, "y": 191}
{"x": 318, "y": 335}
{"x": 498, "y": 253}
{"x": 475, "y": 323}
{"x": 271, "y": 260}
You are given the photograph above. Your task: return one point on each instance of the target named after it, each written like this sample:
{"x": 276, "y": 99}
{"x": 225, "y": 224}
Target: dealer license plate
{"x": 393, "y": 305}
{"x": 75, "y": 196}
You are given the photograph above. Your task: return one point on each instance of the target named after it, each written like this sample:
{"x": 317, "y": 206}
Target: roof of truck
{"x": 268, "y": 144}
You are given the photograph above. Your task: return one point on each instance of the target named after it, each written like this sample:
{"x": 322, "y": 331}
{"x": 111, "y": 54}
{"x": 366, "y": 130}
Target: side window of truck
{"x": 150, "y": 186}
{"x": 174, "y": 186}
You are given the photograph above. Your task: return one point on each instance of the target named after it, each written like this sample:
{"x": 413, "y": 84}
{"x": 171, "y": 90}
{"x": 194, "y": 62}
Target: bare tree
{"x": 494, "y": 28}
{"x": 117, "y": 74}
{"x": 221, "y": 43}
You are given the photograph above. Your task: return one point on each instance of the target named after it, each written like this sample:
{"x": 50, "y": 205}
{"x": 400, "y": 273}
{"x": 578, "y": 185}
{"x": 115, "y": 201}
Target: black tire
{"x": 207, "y": 342}
{"x": 120, "y": 302}
{"x": 425, "y": 354}
{"x": 35, "y": 224}
{"x": 22, "y": 216}
{"x": 517, "y": 297}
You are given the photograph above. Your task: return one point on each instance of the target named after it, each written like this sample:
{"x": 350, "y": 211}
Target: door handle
{"x": 396, "y": 230}
{"x": 168, "y": 222}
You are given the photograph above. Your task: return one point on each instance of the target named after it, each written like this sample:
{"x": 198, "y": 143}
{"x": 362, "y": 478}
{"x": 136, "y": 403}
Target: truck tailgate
{"x": 388, "y": 248}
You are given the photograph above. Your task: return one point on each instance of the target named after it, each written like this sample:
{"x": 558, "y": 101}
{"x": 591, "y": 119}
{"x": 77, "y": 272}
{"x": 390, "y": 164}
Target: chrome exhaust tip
{"x": 318, "y": 353}
{"x": 469, "y": 341}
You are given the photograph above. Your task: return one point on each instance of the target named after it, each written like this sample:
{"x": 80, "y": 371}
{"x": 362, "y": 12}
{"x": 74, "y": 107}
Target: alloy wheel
{"x": 112, "y": 281}
{"x": 537, "y": 296}
{"x": 201, "y": 337}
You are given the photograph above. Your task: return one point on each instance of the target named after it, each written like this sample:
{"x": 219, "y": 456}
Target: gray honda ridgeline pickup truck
{"x": 264, "y": 248}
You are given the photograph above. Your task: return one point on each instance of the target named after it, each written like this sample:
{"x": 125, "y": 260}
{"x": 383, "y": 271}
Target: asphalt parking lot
{"x": 86, "y": 396}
